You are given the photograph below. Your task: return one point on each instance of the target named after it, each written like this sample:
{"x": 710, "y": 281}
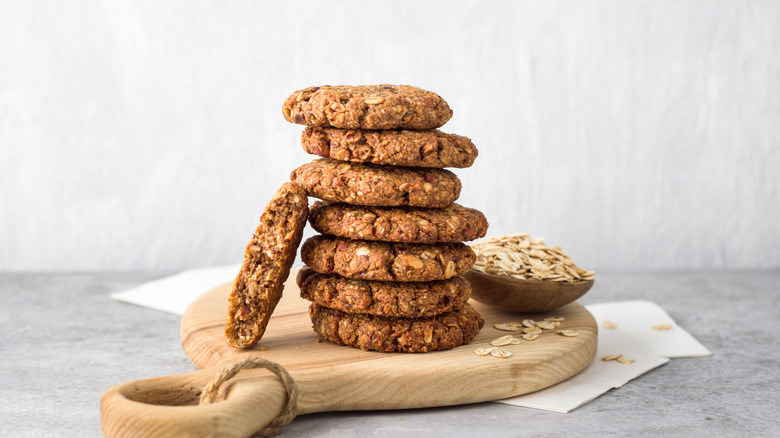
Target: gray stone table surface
{"x": 64, "y": 342}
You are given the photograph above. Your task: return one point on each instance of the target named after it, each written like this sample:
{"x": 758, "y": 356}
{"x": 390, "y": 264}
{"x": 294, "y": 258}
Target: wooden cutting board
{"x": 332, "y": 377}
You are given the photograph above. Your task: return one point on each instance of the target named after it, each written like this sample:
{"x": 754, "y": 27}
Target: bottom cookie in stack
{"x": 410, "y": 317}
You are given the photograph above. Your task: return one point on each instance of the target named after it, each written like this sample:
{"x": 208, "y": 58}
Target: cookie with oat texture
{"x": 391, "y": 147}
{"x": 406, "y": 335}
{"x": 267, "y": 260}
{"x": 385, "y": 261}
{"x": 369, "y": 184}
{"x": 367, "y": 107}
{"x": 384, "y": 298}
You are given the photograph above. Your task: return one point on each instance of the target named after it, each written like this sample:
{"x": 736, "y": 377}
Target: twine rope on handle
{"x": 276, "y": 425}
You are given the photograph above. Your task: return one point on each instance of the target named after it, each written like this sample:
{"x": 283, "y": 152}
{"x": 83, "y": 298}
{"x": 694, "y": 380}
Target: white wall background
{"x": 638, "y": 135}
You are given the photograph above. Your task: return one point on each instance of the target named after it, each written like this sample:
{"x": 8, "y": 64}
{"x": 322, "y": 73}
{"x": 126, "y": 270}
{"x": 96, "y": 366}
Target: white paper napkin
{"x": 633, "y": 337}
{"x": 173, "y": 294}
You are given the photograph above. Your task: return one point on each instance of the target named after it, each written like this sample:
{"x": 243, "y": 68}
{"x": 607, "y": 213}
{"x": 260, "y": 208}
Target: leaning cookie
{"x": 393, "y": 148}
{"x": 368, "y": 184}
{"x": 454, "y": 223}
{"x": 384, "y": 261}
{"x": 267, "y": 261}
{"x": 407, "y": 335}
{"x": 367, "y": 107}
{"x": 384, "y": 298}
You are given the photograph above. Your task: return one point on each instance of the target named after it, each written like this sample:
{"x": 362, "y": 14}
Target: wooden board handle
{"x": 168, "y": 406}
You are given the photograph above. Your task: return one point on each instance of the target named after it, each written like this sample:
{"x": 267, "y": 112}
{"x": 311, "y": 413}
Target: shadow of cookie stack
{"x": 386, "y": 272}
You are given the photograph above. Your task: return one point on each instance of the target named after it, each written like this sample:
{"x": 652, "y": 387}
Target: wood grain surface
{"x": 335, "y": 378}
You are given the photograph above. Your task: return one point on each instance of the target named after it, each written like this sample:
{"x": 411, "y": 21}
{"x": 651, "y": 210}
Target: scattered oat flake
{"x": 499, "y": 353}
{"x": 529, "y": 323}
{"x": 547, "y": 325}
{"x": 662, "y": 327}
{"x": 625, "y": 360}
{"x": 506, "y": 327}
{"x": 482, "y": 351}
{"x": 554, "y": 318}
{"x": 609, "y": 325}
{"x": 611, "y": 357}
{"x": 503, "y": 340}
{"x": 569, "y": 333}
{"x": 530, "y": 336}
{"x": 530, "y": 330}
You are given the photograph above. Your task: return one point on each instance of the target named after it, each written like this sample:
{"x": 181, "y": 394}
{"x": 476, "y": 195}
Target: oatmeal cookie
{"x": 393, "y": 148}
{"x": 267, "y": 260}
{"x": 384, "y": 298}
{"x": 407, "y": 335}
{"x": 385, "y": 261}
{"x": 454, "y": 223}
{"x": 368, "y": 184}
{"x": 367, "y": 107}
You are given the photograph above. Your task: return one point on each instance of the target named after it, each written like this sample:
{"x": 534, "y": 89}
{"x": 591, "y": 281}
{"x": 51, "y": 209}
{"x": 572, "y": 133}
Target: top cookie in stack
{"x": 386, "y": 273}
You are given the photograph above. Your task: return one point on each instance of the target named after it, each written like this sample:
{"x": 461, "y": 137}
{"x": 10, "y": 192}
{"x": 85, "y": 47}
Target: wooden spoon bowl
{"x": 527, "y": 296}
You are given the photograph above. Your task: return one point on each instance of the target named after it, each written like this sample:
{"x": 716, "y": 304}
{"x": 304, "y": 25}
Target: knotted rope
{"x": 276, "y": 425}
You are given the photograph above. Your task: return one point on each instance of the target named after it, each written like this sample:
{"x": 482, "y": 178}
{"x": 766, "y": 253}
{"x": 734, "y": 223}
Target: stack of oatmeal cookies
{"x": 386, "y": 274}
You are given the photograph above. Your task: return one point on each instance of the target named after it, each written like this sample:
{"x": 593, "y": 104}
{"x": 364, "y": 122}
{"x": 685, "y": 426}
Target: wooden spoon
{"x": 524, "y": 295}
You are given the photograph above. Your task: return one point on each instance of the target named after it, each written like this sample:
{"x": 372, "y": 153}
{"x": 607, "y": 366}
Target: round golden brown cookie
{"x": 393, "y": 148}
{"x": 267, "y": 261}
{"x": 384, "y": 298}
{"x": 384, "y": 261}
{"x": 407, "y": 335}
{"x": 454, "y": 223}
{"x": 367, "y": 107}
{"x": 369, "y": 184}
